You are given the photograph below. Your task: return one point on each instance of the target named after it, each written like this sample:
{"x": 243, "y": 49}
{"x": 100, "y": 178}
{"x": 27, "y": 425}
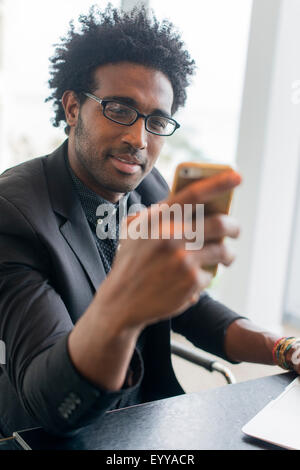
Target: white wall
{"x": 291, "y": 308}
{"x": 267, "y": 157}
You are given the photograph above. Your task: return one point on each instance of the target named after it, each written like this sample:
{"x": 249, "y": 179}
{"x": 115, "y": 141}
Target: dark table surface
{"x": 210, "y": 420}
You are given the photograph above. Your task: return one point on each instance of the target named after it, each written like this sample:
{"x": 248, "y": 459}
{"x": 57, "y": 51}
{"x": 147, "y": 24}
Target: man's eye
{"x": 119, "y": 110}
{"x": 158, "y": 123}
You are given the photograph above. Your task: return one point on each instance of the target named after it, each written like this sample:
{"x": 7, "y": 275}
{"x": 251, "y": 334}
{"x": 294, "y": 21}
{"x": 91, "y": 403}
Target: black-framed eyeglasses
{"x": 127, "y": 116}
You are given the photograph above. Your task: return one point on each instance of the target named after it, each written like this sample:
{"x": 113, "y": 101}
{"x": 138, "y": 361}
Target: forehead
{"x": 150, "y": 88}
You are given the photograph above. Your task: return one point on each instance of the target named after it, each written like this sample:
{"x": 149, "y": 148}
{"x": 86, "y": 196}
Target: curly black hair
{"x": 113, "y": 36}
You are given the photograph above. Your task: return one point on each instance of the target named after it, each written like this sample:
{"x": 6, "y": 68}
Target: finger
{"x": 293, "y": 356}
{"x": 204, "y": 280}
{"x": 207, "y": 189}
{"x": 215, "y": 253}
{"x": 212, "y": 228}
{"x": 218, "y": 226}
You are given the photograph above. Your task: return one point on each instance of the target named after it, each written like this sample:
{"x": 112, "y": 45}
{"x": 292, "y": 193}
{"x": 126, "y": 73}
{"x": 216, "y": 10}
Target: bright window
{"x": 216, "y": 34}
{"x": 31, "y": 28}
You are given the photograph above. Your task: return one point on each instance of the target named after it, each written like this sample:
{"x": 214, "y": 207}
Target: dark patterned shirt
{"x": 90, "y": 202}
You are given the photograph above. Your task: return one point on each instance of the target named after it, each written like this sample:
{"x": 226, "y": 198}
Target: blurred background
{"x": 243, "y": 109}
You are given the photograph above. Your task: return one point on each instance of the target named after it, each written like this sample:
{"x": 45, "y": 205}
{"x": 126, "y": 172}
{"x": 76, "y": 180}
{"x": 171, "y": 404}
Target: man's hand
{"x": 150, "y": 280}
{"x": 154, "y": 279}
{"x": 293, "y": 357}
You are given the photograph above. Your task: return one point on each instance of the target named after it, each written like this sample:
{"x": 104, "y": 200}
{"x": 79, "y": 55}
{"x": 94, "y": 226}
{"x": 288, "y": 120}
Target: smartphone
{"x": 189, "y": 172}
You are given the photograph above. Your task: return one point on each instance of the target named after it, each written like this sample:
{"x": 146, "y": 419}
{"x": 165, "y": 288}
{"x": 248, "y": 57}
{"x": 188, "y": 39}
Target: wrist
{"x": 284, "y": 350}
{"x": 101, "y": 348}
{"x": 275, "y": 350}
{"x": 115, "y": 315}
{"x": 248, "y": 342}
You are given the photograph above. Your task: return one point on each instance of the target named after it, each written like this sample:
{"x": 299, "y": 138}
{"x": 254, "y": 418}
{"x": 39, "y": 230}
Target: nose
{"x": 136, "y": 135}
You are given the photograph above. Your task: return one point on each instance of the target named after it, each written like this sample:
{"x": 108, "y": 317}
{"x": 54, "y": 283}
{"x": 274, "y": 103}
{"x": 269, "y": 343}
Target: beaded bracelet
{"x": 274, "y": 354}
{"x": 283, "y": 350}
{"x": 286, "y": 350}
{"x": 280, "y": 348}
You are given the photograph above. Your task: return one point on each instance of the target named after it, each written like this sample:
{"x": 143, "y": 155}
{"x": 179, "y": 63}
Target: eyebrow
{"x": 131, "y": 102}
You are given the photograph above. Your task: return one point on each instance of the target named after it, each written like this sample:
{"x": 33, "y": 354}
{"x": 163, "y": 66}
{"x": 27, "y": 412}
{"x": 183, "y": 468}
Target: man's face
{"x": 99, "y": 149}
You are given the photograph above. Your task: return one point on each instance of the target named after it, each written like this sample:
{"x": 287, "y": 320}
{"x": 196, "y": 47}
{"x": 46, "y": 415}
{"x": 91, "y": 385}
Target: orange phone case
{"x": 189, "y": 172}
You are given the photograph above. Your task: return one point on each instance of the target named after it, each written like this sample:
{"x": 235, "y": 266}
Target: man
{"x": 86, "y": 329}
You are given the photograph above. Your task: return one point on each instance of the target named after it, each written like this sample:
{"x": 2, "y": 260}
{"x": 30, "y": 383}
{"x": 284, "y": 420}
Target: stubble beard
{"x": 95, "y": 165}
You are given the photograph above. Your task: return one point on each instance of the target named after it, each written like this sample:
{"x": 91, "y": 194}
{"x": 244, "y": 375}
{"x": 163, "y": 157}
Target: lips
{"x": 126, "y": 163}
{"x": 127, "y": 159}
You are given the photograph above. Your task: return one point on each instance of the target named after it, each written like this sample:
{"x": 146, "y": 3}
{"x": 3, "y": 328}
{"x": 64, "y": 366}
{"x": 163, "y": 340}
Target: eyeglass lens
{"x": 123, "y": 114}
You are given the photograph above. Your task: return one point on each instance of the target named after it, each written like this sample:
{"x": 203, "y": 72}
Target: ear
{"x": 71, "y": 106}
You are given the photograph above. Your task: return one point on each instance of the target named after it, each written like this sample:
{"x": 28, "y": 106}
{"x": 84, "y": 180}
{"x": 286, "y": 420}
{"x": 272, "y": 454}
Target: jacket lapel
{"x": 74, "y": 227}
{"x": 133, "y": 198}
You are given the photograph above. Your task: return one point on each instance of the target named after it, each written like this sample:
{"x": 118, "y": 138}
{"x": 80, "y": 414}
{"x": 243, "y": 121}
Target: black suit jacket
{"x": 49, "y": 271}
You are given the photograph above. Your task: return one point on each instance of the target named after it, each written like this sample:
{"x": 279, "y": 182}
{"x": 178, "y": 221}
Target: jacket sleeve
{"x": 205, "y": 325}
{"x": 34, "y": 325}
